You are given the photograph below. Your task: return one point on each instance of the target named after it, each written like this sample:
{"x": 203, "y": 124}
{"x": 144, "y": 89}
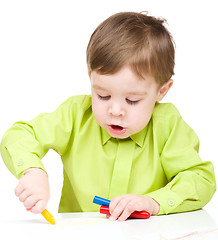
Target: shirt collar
{"x": 105, "y": 136}
{"x": 138, "y": 138}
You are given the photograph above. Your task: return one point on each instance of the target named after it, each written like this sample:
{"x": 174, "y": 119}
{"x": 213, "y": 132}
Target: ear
{"x": 89, "y": 73}
{"x": 164, "y": 89}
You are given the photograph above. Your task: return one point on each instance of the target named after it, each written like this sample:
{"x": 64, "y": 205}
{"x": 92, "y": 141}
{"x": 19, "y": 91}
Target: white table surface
{"x": 96, "y": 226}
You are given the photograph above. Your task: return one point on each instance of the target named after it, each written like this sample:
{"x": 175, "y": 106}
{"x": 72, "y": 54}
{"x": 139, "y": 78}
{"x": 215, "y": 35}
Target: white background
{"x": 43, "y": 62}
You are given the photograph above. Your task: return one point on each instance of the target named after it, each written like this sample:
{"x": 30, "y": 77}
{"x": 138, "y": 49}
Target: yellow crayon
{"x": 47, "y": 215}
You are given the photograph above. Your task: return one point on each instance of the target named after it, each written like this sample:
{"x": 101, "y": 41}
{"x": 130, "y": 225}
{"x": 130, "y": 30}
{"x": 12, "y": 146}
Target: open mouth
{"x": 116, "y": 129}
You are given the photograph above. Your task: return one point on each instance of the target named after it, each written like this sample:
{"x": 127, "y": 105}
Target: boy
{"x": 118, "y": 143}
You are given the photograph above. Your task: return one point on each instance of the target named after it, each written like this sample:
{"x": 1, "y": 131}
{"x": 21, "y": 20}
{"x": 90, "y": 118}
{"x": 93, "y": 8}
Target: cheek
{"x": 98, "y": 110}
{"x": 140, "y": 119}
{"x": 141, "y": 116}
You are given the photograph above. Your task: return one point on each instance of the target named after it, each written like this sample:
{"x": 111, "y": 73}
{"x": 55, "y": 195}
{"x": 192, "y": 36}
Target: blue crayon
{"x": 101, "y": 201}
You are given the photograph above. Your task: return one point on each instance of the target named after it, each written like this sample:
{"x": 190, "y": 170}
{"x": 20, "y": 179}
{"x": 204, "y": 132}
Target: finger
{"x": 30, "y": 201}
{"x": 126, "y": 213}
{"x": 114, "y": 203}
{"x": 119, "y": 209}
{"x": 18, "y": 190}
{"x": 124, "y": 216}
{"x": 24, "y": 195}
{"x": 39, "y": 206}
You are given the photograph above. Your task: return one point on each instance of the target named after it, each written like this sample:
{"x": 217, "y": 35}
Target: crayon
{"x": 136, "y": 214}
{"x": 105, "y": 208}
{"x": 47, "y": 215}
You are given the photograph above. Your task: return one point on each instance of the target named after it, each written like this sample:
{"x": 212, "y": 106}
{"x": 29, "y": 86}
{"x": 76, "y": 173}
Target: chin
{"x": 119, "y": 136}
{"x": 122, "y": 137}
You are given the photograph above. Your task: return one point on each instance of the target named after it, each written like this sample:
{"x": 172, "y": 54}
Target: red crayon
{"x": 136, "y": 214}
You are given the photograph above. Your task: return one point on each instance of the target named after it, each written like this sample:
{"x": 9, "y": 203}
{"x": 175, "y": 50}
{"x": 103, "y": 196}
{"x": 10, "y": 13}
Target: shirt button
{"x": 19, "y": 163}
{"x": 171, "y": 202}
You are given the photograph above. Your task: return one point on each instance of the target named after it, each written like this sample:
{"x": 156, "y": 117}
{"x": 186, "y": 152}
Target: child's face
{"x": 122, "y": 103}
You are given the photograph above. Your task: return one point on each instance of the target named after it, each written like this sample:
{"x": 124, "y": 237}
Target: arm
{"x": 191, "y": 181}
{"x": 25, "y": 143}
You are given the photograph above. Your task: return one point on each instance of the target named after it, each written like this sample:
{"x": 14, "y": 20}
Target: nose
{"x": 116, "y": 109}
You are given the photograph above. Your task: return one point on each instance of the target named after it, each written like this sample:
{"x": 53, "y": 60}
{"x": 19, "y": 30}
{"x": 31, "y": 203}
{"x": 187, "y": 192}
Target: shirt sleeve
{"x": 25, "y": 143}
{"x": 191, "y": 181}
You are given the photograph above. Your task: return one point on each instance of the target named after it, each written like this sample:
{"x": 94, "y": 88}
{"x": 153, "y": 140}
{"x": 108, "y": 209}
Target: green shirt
{"x": 161, "y": 161}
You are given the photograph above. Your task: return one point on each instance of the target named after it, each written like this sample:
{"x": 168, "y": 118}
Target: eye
{"x": 105, "y": 98}
{"x": 132, "y": 102}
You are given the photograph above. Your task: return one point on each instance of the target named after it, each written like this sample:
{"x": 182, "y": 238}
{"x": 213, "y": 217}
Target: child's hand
{"x": 33, "y": 190}
{"x": 124, "y": 205}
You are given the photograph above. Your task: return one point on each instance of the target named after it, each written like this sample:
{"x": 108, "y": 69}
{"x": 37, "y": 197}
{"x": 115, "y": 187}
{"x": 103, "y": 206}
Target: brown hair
{"x": 136, "y": 39}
